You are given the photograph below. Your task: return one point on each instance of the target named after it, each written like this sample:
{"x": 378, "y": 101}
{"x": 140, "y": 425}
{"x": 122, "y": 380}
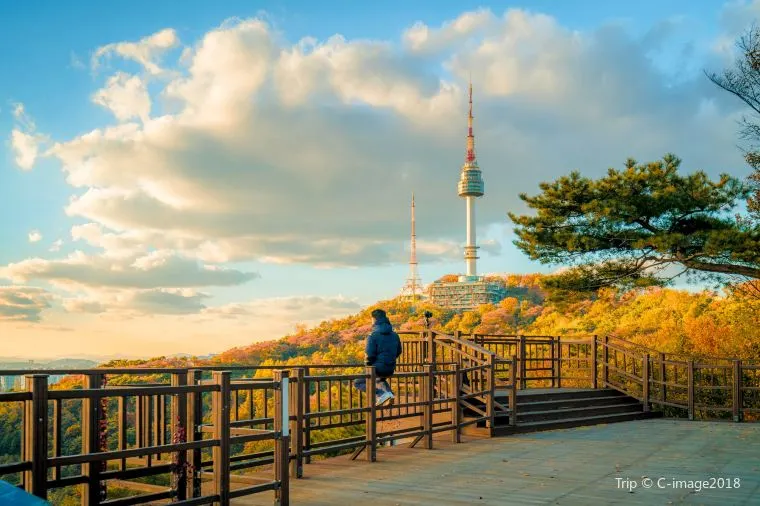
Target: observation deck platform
{"x": 580, "y": 466}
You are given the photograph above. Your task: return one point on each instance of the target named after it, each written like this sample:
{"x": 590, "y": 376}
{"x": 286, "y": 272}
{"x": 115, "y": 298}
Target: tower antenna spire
{"x": 470, "y": 157}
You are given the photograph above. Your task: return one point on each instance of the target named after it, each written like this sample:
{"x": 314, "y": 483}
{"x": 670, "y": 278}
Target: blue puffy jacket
{"x": 383, "y": 348}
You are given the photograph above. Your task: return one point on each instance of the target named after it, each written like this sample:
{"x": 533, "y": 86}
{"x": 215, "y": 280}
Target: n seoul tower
{"x": 470, "y": 187}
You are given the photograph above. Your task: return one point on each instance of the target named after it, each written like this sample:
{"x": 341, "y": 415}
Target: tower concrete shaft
{"x": 470, "y": 248}
{"x": 470, "y": 187}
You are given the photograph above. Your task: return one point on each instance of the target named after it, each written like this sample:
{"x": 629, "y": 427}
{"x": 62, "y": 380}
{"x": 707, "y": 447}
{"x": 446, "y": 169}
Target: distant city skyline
{"x": 189, "y": 178}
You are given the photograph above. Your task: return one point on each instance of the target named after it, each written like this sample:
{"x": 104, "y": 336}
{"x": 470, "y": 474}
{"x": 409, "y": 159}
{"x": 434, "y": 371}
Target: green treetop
{"x": 642, "y": 225}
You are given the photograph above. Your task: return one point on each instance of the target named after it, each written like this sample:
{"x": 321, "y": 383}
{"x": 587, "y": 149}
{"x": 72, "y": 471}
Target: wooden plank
{"x": 495, "y": 471}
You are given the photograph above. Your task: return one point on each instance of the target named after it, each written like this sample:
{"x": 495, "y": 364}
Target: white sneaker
{"x": 385, "y": 397}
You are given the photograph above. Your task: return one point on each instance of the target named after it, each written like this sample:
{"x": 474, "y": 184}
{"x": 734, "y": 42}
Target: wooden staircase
{"x": 549, "y": 409}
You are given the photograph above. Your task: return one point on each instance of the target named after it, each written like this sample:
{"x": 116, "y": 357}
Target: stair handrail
{"x": 478, "y": 359}
{"x": 605, "y": 346}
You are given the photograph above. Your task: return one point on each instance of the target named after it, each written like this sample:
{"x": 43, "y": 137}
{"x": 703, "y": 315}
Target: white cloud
{"x": 23, "y": 303}
{"x": 25, "y": 142}
{"x": 302, "y": 308}
{"x": 157, "y": 301}
{"x": 125, "y": 96}
{"x": 35, "y": 236}
{"x": 76, "y": 62}
{"x": 367, "y": 72}
{"x": 306, "y": 152}
{"x": 56, "y": 246}
{"x": 146, "y": 51}
{"x": 735, "y": 18}
{"x": 26, "y": 148}
{"x": 421, "y": 38}
{"x": 21, "y": 116}
{"x": 153, "y": 270}
{"x": 226, "y": 69}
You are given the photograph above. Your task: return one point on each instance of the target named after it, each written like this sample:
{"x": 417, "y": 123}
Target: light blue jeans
{"x": 361, "y": 384}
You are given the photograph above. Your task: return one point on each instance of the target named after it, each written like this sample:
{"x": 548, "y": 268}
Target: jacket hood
{"x": 382, "y": 326}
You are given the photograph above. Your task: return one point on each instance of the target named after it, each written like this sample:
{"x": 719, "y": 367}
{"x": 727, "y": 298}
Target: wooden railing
{"x": 208, "y": 430}
{"x": 684, "y": 386}
{"x": 680, "y": 385}
{"x": 221, "y": 434}
{"x": 172, "y": 433}
{"x": 483, "y": 371}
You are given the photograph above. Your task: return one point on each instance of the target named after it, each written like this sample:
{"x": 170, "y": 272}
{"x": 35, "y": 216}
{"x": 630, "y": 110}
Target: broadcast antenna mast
{"x": 413, "y": 283}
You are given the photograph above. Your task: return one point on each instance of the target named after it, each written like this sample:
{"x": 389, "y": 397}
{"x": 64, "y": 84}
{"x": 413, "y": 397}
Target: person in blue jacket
{"x": 382, "y": 349}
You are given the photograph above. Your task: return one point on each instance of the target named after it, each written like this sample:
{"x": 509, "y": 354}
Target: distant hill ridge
{"x": 675, "y": 321}
{"x": 61, "y": 363}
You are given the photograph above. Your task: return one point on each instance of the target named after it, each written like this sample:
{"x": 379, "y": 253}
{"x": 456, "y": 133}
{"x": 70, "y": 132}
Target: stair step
{"x": 572, "y": 422}
{"x": 523, "y": 407}
{"x": 561, "y": 395}
{"x": 577, "y": 412}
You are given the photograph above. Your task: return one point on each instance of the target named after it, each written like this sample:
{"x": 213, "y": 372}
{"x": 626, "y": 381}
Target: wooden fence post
{"x": 427, "y": 407}
{"x": 553, "y": 359}
{"x": 306, "y": 411}
{"x": 430, "y": 349}
{"x": 513, "y": 393}
{"x": 296, "y": 426}
{"x": 690, "y": 386}
{"x": 559, "y": 361}
{"x": 281, "y": 444}
{"x": 194, "y": 421}
{"x": 58, "y": 435}
{"x": 606, "y": 362}
{"x": 221, "y": 453}
{"x": 456, "y": 408}
{"x": 92, "y": 491}
{"x": 522, "y": 373}
{"x": 491, "y": 399}
{"x": 371, "y": 415}
{"x": 645, "y": 384}
{"x": 664, "y": 387}
{"x": 36, "y": 435}
{"x": 179, "y": 434}
{"x": 121, "y": 413}
{"x": 594, "y": 364}
{"x": 737, "y": 392}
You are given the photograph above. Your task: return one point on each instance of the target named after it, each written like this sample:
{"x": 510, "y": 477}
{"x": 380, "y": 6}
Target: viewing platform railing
{"x": 206, "y": 435}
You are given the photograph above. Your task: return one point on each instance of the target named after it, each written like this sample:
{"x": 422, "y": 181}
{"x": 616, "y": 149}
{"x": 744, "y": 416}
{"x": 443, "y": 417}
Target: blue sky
{"x": 175, "y": 192}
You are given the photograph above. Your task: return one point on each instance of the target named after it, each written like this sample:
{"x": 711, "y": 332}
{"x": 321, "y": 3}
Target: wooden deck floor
{"x": 584, "y": 466}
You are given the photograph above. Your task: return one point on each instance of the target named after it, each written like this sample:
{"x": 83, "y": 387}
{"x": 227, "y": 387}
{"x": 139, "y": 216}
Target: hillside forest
{"x": 701, "y": 324}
